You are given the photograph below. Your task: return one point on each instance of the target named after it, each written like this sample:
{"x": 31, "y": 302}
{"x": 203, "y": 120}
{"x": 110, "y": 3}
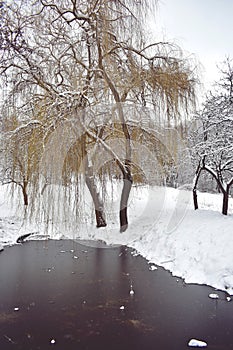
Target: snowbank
{"x": 164, "y": 228}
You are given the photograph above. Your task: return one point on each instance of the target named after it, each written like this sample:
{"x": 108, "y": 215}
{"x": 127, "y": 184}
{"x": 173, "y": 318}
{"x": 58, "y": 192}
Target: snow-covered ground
{"x": 164, "y": 228}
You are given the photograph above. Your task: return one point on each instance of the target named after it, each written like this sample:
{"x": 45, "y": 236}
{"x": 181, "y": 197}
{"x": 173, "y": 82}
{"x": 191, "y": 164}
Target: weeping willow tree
{"x": 63, "y": 62}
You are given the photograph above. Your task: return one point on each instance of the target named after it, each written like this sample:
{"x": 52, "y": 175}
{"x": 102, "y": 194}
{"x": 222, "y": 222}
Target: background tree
{"x": 214, "y": 137}
{"x": 22, "y": 149}
{"x": 60, "y": 58}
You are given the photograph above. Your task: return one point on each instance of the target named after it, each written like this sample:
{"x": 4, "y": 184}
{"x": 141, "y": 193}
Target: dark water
{"x": 69, "y": 297}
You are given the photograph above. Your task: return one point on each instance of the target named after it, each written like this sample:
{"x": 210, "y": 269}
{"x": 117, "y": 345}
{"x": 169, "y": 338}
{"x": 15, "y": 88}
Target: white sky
{"x": 200, "y": 27}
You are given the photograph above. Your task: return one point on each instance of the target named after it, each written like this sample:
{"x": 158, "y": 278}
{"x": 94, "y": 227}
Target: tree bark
{"x": 99, "y": 213}
{"x": 90, "y": 182}
{"x": 225, "y": 202}
{"x": 25, "y": 195}
{"x": 226, "y": 197}
{"x": 195, "y": 202}
{"x": 124, "y": 202}
{"x": 198, "y": 173}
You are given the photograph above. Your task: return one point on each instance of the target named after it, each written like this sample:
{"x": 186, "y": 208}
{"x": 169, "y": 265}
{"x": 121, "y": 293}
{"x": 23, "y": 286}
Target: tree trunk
{"x": 90, "y": 182}
{"x": 195, "y": 202}
{"x": 99, "y": 213}
{"x": 124, "y": 202}
{"x": 126, "y": 173}
{"x": 25, "y": 195}
{"x": 197, "y": 175}
{"x": 225, "y": 202}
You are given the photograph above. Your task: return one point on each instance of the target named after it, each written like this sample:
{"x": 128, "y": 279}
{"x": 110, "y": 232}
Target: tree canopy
{"x": 72, "y": 65}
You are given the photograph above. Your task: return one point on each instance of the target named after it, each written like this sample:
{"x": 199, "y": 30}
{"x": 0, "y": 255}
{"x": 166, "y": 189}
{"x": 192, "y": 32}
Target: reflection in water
{"x": 79, "y": 298}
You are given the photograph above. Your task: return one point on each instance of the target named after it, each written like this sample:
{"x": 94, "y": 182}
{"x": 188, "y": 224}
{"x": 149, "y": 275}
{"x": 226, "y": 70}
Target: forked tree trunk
{"x": 126, "y": 172}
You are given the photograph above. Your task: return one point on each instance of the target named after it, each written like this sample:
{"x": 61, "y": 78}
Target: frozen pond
{"x": 68, "y": 295}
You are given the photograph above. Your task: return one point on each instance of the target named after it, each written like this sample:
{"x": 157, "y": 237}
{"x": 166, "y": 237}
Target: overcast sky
{"x": 200, "y": 27}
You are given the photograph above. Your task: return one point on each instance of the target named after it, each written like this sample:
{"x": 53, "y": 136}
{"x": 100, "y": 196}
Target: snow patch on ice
{"x": 197, "y": 343}
{"x": 213, "y": 296}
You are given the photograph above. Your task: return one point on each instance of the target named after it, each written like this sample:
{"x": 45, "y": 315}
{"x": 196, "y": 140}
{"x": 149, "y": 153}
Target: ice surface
{"x": 198, "y": 247}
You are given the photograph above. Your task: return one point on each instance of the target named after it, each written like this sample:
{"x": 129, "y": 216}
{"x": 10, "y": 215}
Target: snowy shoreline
{"x": 194, "y": 245}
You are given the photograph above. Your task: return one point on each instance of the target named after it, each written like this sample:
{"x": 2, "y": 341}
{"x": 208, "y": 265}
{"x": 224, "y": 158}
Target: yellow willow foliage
{"x": 74, "y": 160}
{"x": 172, "y": 84}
